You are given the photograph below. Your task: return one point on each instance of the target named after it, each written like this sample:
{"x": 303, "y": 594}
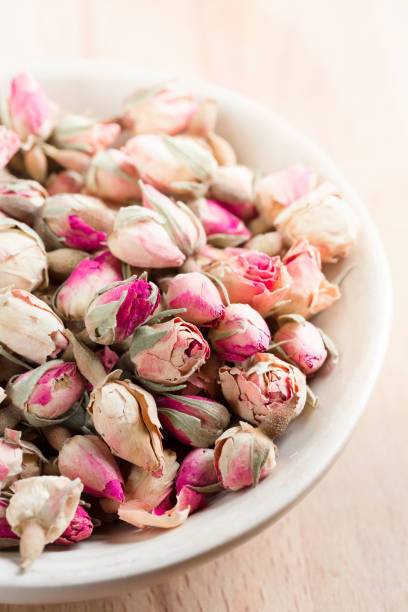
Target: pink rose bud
{"x": 66, "y": 181}
{"x": 326, "y": 220}
{"x": 159, "y": 110}
{"x": 277, "y": 191}
{"x": 198, "y": 294}
{"x": 265, "y": 390}
{"x": 28, "y": 111}
{"x": 113, "y": 176}
{"x": 168, "y": 353}
{"x": 240, "y": 334}
{"x": 21, "y": 199}
{"x": 23, "y": 261}
{"x": 80, "y": 528}
{"x": 9, "y": 145}
{"x": 125, "y": 416}
{"x": 47, "y": 392}
{"x": 89, "y": 459}
{"x": 84, "y": 134}
{"x": 223, "y": 228}
{"x": 243, "y": 456}
{"x": 253, "y": 278}
{"x": 108, "y": 357}
{"x": 8, "y": 538}
{"x": 28, "y": 327}
{"x": 176, "y": 165}
{"x": 140, "y": 239}
{"x": 118, "y": 309}
{"x": 89, "y": 276}
{"x": 302, "y": 344}
{"x": 309, "y": 291}
{"x": 193, "y": 420}
{"x": 182, "y": 225}
{"x": 76, "y": 221}
{"x": 197, "y": 470}
{"x": 233, "y": 188}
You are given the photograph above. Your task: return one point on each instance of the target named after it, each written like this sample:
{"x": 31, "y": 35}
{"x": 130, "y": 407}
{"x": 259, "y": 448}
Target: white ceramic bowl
{"x": 359, "y": 324}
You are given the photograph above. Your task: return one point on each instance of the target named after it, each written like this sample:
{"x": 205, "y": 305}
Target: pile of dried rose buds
{"x": 155, "y": 298}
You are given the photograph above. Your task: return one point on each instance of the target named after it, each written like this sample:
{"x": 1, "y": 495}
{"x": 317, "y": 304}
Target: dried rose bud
{"x": 326, "y": 220}
{"x": 118, "y": 309}
{"x": 265, "y": 389}
{"x": 198, "y": 294}
{"x": 40, "y": 510}
{"x": 197, "y": 470}
{"x": 62, "y": 262}
{"x": 8, "y": 538}
{"x": 88, "y": 458}
{"x": 159, "y": 110}
{"x": 302, "y": 343}
{"x": 168, "y": 353}
{"x": 90, "y": 275}
{"x": 140, "y": 239}
{"x": 23, "y": 262}
{"x": 193, "y": 420}
{"x": 182, "y": 225}
{"x": 270, "y": 243}
{"x": 46, "y": 392}
{"x": 76, "y": 221}
{"x": 28, "y": 327}
{"x": 241, "y": 333}
{"x": 223, "y": 229}
{"x": 66, "y": 181}
{"x": 243, "y": 456}
{"x": 9, "y": 145}
{"x": 11, "y": 461}
{"x": 233, "y": 188}
{"x": 277, "y": 191}
{"x": 112, "y": 175}
{"x": 125, "y": 415}
{"x": 251, "y": 277}
{"x": 21, "y": 199}
{"x": 84, "y": 134}
{"x": 80, "y": 528}
{"x": 309, "y": 291}
{"x": 176, "y": 165}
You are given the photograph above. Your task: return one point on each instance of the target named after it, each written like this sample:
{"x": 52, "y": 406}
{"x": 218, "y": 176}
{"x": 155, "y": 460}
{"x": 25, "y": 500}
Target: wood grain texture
{"x": 337, "y": 70}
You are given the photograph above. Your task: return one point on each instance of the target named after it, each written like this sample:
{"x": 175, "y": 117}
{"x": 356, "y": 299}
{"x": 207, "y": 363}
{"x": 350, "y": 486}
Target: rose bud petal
{"x": 241, "y": 333}
{"x": 233, "y": 188}
{"x": 112, "y": 175}
{"x": 40, "y": 510}
{"x": 90, "y": 275}
{"x": 140, "y": 239}
{"x": 265, "y": 389}
{"x": 88, "y": 458}
{"x": 326, "y": 220}
{"x": 144, "y": 487}
{"x": 168, "y": 353}
{"x": 46, "y": 392}
{"x": 76, "y": 221}
{"x": 21, "y": 199}
{"x": 80, "y": 528}
{"x": 198, "y": 294}
{"x": 243, "y": 456}
{"x": 302, "y": 344}
{"x": 27, "y": 110}
{"x": 182, "y": 224}
{"x": 193, "y": 420}
{"x": 66, "y": 181}
{"x": 118, "y": 309}
{"x": 125, "y": 415}
{"x": 62, "y": 262}
{"x": 277, "y": 191}
{"x": 223, "y": 229}
{"x": 176, "y": 165}
{"x": 11, "y": 462}
{"x": 309, "y": 291}
{"x": 204, "y": 381}
{"x": 84, "y": 134}
{"x": 9, "y": 145}
{"x": 23, "y": 261}
{"x": 28, "y": 327}
{"x": 159, "y": 110}
{"x": 270, "y": 243}
{"x": 8, "y": 538}
{"x": 108, "y": 357}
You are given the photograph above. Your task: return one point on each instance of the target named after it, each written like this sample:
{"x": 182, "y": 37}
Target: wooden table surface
{"x": 338, "y": 71}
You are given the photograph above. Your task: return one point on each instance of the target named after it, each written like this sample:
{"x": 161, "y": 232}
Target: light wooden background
{"x": 337, "y": 69}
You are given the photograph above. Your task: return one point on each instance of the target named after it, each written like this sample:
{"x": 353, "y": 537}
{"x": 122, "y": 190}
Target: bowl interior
{"x": 358, "y": 324}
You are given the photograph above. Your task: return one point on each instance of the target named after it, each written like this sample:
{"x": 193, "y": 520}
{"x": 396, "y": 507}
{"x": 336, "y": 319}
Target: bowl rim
{"x": 70, "y": 588}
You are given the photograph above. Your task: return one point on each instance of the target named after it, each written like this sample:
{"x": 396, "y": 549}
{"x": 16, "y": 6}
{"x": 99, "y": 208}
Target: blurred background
{"x": 337, "y": 70}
